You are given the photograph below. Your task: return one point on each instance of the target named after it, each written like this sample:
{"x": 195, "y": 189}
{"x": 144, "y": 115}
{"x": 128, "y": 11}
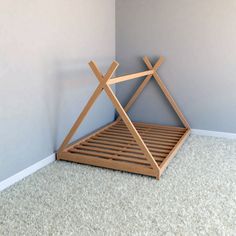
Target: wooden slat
{"x": 87, "y": 137}
{"x": 151, "y": 129}
{"x": 147, "y": 132}
{"x": 151, "y": 143}
{"x": 129, "y": 77}
{"x": 123, "y": 149}
{"x": 103, "y": 150}
{"x": 111, "y": 146}
{"x": 153, "y": 136}
{"x": 144, "y": 125}
{"x": 144, "y": 134}
{"x": 146, "y": 137}
{"x": 171, "y": 127}
{"x": 123, "y": 141}
{"x": 133, "y": 146}
{"x": 114, "y": 153}
{"x": 156, "y": 141}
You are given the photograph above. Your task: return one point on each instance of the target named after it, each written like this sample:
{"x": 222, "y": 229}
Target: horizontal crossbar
{"x": 129, "y": 77}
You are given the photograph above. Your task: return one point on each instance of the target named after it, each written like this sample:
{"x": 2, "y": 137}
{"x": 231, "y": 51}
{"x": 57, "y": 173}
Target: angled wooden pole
{"x": 132, "y": 129}
{"x": 142, "y": 86}
{"x": 89, "y": 104}
{"x": 167, "y": 94}
{"x": 126, "y": 120}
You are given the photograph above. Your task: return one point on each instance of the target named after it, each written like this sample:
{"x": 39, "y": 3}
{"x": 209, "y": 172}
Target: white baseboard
{"x": 30, "y": 170}
{"x": 213, "y": 133}
{"x": 26, "y": 172}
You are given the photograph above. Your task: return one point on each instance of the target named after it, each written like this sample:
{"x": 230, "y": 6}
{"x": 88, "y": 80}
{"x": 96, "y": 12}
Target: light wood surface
{"x": 109, "y": 148}
{"x": 129, "y": 77}
{"x": 124, "y": 145}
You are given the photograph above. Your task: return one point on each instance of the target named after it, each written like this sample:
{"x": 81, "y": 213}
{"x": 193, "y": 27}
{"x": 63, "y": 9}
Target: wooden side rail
{"x": 130, "y": 76}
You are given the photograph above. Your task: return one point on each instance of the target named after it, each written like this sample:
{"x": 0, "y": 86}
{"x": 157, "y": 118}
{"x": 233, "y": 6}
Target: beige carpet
{"x": 195, "y": 196}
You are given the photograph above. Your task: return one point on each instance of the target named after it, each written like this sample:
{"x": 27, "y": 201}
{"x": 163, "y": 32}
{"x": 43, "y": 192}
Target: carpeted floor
{"x": 195, "y": 196}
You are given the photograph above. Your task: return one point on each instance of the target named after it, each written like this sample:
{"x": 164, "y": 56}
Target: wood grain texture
{"x": 106, "y": 146}
{"x": 135, "y": 147}
{"x": 129, "y": 77}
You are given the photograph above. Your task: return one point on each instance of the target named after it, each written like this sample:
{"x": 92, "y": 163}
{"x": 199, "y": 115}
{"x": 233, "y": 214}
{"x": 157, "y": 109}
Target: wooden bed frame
{"x": 139, "y": 148}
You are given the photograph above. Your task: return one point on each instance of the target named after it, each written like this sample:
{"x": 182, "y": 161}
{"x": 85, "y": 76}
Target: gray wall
{"x": 197, "y": 38}
{"x": 44, "y": 77}
{"x": 45, "y": 80}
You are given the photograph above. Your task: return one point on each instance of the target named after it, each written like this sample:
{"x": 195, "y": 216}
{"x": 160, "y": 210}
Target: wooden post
{"x": 89, "y": 104}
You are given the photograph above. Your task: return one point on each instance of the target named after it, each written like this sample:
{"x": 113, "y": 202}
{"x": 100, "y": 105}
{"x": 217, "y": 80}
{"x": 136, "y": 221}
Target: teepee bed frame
{"x": 124, "y": 145}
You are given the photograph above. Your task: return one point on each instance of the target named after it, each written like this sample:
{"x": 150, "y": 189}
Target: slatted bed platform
{"x": 124, "y": 145}
{"x": 114, "y": 147}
